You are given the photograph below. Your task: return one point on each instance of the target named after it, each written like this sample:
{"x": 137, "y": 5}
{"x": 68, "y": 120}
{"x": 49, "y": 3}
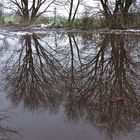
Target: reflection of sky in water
{"x": 89, "y": 64}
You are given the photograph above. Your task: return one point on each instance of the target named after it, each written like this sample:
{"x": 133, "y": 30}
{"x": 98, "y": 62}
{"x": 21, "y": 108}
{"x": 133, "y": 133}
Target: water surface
{"x": 70, "y": 86}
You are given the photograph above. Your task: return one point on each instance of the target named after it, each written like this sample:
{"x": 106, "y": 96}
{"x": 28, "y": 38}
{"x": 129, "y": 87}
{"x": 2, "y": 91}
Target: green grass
{"x": 79, "y": 23}
{"x": 84, "y": 23}
{"x": 13, "y": 19}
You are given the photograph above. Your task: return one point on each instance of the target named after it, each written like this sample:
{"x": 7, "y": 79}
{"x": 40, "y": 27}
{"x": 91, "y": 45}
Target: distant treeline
{"x": 120, "y": 14}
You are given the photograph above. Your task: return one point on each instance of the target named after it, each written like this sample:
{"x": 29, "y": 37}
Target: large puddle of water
{"x": 70, "y": 86}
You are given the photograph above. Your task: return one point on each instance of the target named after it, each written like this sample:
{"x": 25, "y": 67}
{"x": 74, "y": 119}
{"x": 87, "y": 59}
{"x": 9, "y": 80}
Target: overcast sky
{"x": 62, "y": 10}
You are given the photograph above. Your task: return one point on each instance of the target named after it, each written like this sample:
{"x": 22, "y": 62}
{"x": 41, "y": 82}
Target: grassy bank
{"x": 84, "y": 23}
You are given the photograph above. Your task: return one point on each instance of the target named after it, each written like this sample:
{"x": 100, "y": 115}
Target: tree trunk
{"x": 118, "y": 17}
{"x": 70, "y": 12}
{"x": 77, "y": 6}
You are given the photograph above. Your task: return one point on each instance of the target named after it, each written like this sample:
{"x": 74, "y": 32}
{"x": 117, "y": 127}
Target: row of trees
{"x": 29, "y": 11}
{"x": 115, "y": 12}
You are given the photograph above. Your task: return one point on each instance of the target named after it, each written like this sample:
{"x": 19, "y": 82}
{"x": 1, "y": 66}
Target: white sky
{"x": 90, "y": 5}
{"x": 62, "y": 10}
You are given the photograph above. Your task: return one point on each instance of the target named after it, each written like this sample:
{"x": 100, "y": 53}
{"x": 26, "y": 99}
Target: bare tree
{"x": 109, "y": 94}
{"x": 116, "y": 12}
{"x": 73, "y": 9}
{"x": 35, "y": 77}
{"x": 30, "y": 10}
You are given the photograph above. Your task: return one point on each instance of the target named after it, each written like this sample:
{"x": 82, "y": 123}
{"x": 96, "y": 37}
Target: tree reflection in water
{"x": 109, "y": 96}
{"x": 33, "y": 75}
{"x": 6, "y": 132}
{"x": 96, "y": 78}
